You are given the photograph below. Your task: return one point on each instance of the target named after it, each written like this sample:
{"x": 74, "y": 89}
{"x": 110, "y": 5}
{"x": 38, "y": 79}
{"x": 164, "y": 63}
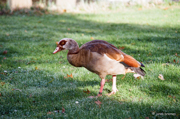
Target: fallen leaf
{"x": 25, "y": 30}
{"x": 0, "y": 94}
{"x": 176, "y": 54}
{"x": 71, "y": 76}
{"x": 177, "y": 62}
{"x": 98, "y": 103}
{"x": 2, "y": 83}
{"x": 174, "y": 61}
{"x": 146, "y": 117}
{"x": 161, "y": 77}
{"x": 63, "y": 110}
{"x": 132, "y": 43}
{"x": 82, "y": 34}
{"x": 50, "y": 113}
{"x": 5, "y": 52}
{"x": 68, "y": 29}
{"x": 138, "y": 76}
{"x": 7, "y": 34}
{"x": 92, "y": 38}
{"x": 87, "y": 92}
{"x": 121, "y": 48}
{"x": 36, "y": 68}
{"x": 166, "y": 8}
{"x": 64, "y": 10}
{"x": 149, "y": 53}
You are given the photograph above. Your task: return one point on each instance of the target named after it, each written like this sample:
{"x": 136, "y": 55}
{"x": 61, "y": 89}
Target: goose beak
{"x": 56, "y": 50}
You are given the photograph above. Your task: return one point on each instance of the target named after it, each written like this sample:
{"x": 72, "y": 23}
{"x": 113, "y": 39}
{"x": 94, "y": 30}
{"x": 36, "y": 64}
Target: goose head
{"x": 67, "y": 44}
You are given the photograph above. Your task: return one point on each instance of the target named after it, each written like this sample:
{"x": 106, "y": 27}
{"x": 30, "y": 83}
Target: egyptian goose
{"x": 100, "y": 57}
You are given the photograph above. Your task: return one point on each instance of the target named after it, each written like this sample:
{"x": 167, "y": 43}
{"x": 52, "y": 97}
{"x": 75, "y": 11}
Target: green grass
{"x": 32, "y": 78}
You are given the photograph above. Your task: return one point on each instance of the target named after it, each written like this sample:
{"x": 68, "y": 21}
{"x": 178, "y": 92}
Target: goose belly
{"x": 102, "y": 64}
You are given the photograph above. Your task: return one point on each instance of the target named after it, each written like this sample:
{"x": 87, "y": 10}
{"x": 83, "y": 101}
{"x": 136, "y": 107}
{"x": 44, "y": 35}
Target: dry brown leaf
{"x": 5, "y": 52}
{"x": 36, "y": 68}
{"x": 92, "y": 38}
{"x": 64, "y": 10}
{"x": 121, "y": 48}
{"x": 71, "y": 76}
{"x": 176, "y": 54}
{"x": 63, "y": 110}
{"x": 161, "y": 77}
{"x": 137, "y": 76}
{"x": 25, "y": 30}
{"x": 2, "y": 83}
{"x": 174, "y": 61}
{"x": 87, "y": 92}
{"x": 50, "y": 113}
{"x": 98, "y": 103}
{"x": 166, "y": 8}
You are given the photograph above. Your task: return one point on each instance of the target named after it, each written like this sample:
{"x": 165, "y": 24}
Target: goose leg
{"x": 101, "y": 88}
{"x": 114, "y": 89}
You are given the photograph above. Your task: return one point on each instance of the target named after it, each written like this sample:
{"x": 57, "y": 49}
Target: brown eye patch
{"x": 63, "y": 42}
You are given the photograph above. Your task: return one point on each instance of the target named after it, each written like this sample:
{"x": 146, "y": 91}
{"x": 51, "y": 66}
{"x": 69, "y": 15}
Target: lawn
{"x": 34, "y": 82}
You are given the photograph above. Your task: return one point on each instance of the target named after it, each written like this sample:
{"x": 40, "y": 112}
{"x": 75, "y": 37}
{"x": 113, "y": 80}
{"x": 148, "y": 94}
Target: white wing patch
{"x": 112, "y": 59}
{"x": 109, "y": 58}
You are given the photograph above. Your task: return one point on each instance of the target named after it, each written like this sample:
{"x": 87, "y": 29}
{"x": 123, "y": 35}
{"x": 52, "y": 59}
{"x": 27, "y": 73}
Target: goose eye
{"x": 62, "y": 42}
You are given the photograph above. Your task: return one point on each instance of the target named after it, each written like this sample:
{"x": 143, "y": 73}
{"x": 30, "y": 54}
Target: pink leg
{"x": 102, "y": 86}
{"x": 114, "y": 89}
